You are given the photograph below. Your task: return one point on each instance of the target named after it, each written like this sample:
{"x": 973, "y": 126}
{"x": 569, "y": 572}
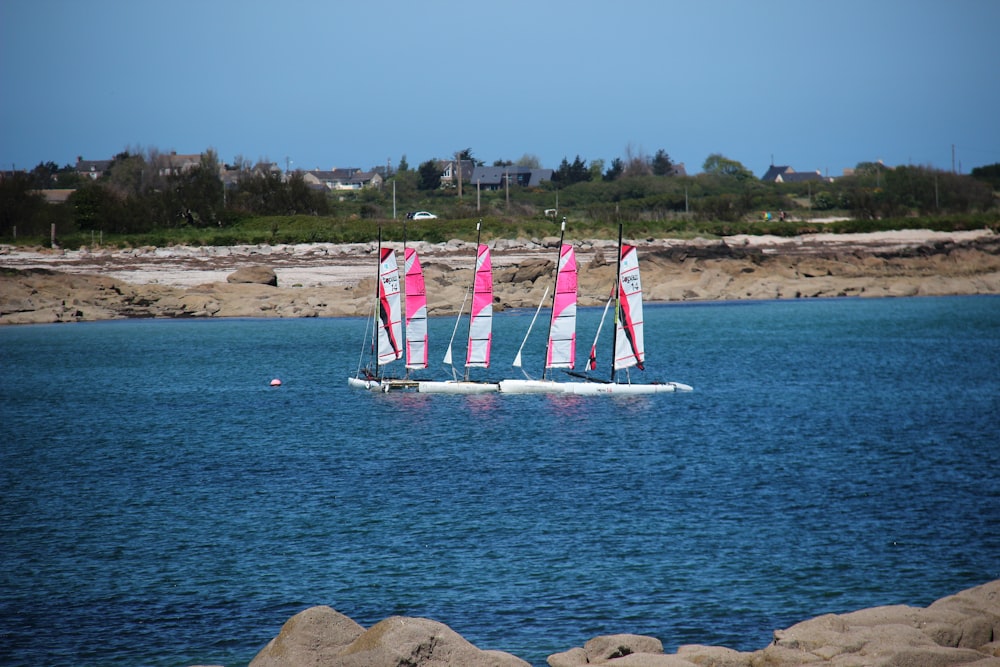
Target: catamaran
{"x": 386, "y": 330}
{"x": 480, "y": 331}
{"x": 629, "y": 346}
{"x": 561, "y": 347}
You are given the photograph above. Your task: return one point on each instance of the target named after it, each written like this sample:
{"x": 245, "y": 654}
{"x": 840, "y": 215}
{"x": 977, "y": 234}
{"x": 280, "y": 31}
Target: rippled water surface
{"x": 162, "y": 505}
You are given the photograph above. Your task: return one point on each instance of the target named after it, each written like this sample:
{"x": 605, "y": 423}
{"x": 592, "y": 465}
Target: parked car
{"x": 421, "y": 215}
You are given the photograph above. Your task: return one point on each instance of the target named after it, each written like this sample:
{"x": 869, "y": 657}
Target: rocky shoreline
{"x": 961, "y": 629}
{"x": 329, "y": 280}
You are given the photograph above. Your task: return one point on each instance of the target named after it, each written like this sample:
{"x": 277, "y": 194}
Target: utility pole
{"x": 506, "y": 185}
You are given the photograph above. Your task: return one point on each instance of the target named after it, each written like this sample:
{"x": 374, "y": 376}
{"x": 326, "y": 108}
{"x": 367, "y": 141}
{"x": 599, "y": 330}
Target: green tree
{"x": 530, "y": 161}
{"x": 19, "y": 204}
{"x": 44, "y": 175}
{"x": 567, "y": 174}
{"x": 988, "y": 174}
{"x": 615, "y": 171}
{"x": 596, "y": 169}
{"x": 717, "y": 164}
{"x": 662, "y": 164}
{"x": 430, "y": 175}
{"x": 404, "y": 166}
{"x": 199, "y": 192}
{"x": 127, "y": 175}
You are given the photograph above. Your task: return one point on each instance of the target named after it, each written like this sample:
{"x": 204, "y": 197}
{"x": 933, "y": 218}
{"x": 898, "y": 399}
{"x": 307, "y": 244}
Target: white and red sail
{"x": 561, "y": 349}
{"x": 390, "y": 330}
{"x": 481, "y": 322}
{"x": 416, "y": 311}
{"x": 629, "y": 347}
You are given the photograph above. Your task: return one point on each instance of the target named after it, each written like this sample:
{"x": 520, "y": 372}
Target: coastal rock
{"x": 315, "y": 636}
{"x": 322, "y": 637}
{"x": 957, "y": 630}
{"x": 329, "y": 280}
{"x": 261, "y": 275}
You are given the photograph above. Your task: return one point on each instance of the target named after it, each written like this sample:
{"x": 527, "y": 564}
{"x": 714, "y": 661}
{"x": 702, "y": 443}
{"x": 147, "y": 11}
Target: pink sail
{"x": 561, "y": 350}
{"x": 390, "y": 330}
{"x": 416, "y": 311}
{"x": 481, "y": 322}
{"x": 629, "y": 348}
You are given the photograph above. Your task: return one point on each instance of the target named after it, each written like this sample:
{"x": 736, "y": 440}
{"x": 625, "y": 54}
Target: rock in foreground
{"x": 962, "y": 629}
{"x": 320, "y": 636}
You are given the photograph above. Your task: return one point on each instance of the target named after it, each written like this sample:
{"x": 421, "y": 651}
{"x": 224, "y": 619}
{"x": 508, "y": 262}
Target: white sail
{"x": 390, "y": 328}
{"x": 561, "y": 350}
{"x": 481, "y": 317}
{"x": 629, "y": 346}
{"x": 416, "y": 311}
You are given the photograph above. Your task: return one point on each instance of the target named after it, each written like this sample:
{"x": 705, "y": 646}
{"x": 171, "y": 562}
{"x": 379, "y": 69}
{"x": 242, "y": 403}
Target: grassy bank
{"x": 330, "y": 229}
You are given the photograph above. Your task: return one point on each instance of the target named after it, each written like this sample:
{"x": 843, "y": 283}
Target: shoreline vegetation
{"x": 43, "y": 285}
{"x": 958, "y": 629}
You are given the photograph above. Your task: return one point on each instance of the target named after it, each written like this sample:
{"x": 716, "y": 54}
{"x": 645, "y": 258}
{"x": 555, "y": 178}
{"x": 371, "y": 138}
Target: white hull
{"x": 598, "y": 388}
{"x": 383, "y": 385}
{"x": 531, "y": 387}
{"x": 359, "y": 383}
{"x": 457, "y": 387}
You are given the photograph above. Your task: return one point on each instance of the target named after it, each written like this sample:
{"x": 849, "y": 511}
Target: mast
{"x": 555, "y": 283}
{"x": 406, "y": 322}
{"x": 378, "y": 295}
{"x": 618, "y": 296}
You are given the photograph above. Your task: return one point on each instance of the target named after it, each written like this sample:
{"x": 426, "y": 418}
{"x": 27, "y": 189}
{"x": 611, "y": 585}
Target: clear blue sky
{"x": 813, "y": 84}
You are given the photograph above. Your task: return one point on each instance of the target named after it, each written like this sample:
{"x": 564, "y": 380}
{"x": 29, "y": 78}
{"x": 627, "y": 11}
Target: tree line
{"x": 138, "y": 193}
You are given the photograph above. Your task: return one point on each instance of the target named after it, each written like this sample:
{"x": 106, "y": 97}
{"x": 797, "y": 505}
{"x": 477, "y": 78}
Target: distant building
{"x": 351, "y": 178}
{"x": 92, "y": 169}
{"x": 452, "y": 169}
{"x": 785, "y": 174}
{"x": 495, "y": 178}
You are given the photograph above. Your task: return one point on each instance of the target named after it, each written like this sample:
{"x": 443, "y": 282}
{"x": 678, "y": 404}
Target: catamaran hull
{"x": 360, "y": 383}
{"x": 600, "y": 388}
{"x": 457, "y": 387}
{"x": 531, "y": 387}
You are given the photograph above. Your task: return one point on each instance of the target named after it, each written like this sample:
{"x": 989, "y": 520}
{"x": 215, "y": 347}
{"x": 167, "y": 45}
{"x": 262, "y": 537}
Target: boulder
{"x": 261, "y": 275}
{"x": 315, "y": 636}
{"x": 321, "y": 637}
{"x": 418, "y": 642}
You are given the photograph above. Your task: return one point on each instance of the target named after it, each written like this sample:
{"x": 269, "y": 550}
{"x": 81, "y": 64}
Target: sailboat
{"x": 561, "y": 347}
{"x": 629, "y": 345}
{"x": 480, "y": 331}
{"x": 386, "y": 331}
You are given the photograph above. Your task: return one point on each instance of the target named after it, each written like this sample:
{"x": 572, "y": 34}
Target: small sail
{"x": 561, "y": 352}
{"x": 481, "y": 322}
{"x": 416, "y": 311}
{"x": 390, "y": 329}
{"x": 629, "y": 348}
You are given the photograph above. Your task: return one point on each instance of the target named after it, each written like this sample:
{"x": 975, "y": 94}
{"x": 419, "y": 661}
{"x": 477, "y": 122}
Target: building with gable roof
{"x": 785, "y": 174}
{"x": 495, "y": 178}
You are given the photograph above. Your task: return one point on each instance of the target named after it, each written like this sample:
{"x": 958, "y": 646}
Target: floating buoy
{"x": 275, "y": 382}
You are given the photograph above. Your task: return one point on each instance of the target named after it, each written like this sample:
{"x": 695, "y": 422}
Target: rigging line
{"x": 517, "y": 359}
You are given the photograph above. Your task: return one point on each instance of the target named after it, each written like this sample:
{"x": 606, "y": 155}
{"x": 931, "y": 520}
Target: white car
{"x": 422, "y": 215}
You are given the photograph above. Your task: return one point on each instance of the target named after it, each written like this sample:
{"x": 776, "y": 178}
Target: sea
{"x": 162, "y": 504}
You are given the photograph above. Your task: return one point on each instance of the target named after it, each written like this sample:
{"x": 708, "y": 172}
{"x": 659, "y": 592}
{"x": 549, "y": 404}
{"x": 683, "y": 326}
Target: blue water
{"x": 162, "y": 505}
